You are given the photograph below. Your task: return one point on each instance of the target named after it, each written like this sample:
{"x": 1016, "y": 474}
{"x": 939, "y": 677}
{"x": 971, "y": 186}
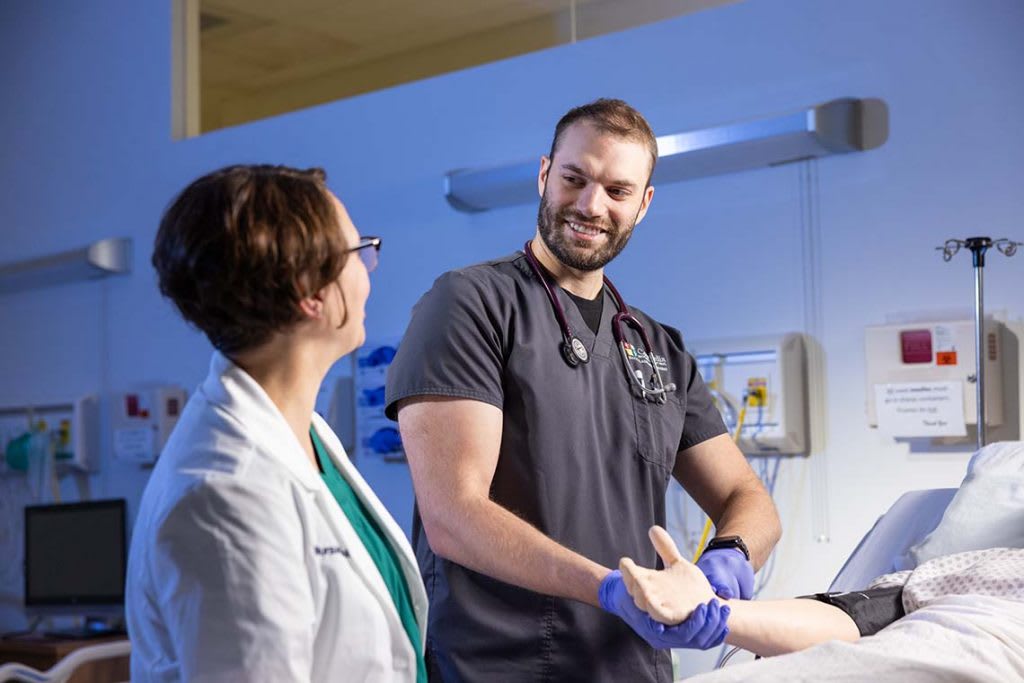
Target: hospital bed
{"x": 884, "y": 548}
{"x": 961, "y": 637}
{"x": 986, "y": 511}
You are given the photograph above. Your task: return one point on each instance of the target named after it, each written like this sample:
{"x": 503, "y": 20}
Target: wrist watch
{"x": 728, "y": 542}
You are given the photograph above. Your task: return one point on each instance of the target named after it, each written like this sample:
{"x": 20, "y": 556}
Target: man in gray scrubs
{"x": 541, "y": 448}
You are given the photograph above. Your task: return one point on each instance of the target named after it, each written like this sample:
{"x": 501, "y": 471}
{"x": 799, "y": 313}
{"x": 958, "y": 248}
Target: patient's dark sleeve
{"x": 871, "y": 610}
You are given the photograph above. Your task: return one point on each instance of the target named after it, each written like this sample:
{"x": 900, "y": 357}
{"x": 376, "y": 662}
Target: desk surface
{"x": 44, "y": 645}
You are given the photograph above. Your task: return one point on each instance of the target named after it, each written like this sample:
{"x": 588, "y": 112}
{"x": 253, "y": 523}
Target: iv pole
{"x": 978, "y": 246}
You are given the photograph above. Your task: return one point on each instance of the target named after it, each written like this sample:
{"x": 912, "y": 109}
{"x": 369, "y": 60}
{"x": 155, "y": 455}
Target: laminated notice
{"x": 135, "y": 443}
{"x": 921, "y": 409}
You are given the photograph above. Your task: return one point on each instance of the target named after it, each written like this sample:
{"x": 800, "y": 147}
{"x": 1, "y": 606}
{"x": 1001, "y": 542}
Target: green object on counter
{"x": 17, "y": 452}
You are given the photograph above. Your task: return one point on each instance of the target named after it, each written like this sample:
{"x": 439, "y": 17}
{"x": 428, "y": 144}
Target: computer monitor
{"x": 75, "y": 558}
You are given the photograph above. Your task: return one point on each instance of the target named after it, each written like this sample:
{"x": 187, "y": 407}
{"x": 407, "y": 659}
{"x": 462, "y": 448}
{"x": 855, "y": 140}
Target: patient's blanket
{"x": 965, "y": 622}
{"x": 998, "y": 572}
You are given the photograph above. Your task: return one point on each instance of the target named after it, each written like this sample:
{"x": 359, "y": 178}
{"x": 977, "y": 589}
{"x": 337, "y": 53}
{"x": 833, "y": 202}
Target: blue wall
{"x": 87, "y": 153}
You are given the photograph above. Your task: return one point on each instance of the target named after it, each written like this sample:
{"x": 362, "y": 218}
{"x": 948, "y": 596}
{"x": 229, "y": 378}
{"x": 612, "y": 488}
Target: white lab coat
{"x": 243, "y": 566}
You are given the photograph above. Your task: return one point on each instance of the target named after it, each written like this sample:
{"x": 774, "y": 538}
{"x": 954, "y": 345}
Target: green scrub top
{"x": 377, "y": 546}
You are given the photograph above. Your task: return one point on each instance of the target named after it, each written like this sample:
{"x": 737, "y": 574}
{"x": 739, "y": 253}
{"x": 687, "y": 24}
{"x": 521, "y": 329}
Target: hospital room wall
{"x": 88, "y": 154}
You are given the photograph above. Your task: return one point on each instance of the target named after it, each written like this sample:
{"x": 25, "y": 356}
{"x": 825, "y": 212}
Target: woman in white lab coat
{"x": 259, "y": 553}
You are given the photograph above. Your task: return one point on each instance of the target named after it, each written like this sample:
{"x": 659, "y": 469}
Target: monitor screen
{"x": 75, "y": 554}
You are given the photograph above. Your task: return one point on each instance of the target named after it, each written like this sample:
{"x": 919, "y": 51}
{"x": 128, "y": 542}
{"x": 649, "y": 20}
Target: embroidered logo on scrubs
{"x": 330, "y": 550}
{"x": 637, "y": 354}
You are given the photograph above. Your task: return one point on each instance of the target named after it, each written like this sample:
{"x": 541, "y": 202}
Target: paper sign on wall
{"x": 921, "y": 409}
{"x": 135, "y": 443}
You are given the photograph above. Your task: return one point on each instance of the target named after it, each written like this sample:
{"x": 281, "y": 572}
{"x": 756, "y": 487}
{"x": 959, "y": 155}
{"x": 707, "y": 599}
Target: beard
{"x": 574, "y": 253}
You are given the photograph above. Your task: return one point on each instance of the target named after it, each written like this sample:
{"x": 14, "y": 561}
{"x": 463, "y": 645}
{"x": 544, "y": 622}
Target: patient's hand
{"x": 669, "y": 595}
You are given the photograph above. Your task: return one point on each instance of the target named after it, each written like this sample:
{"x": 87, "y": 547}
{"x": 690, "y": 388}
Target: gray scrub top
{"x": 583, "y": 458}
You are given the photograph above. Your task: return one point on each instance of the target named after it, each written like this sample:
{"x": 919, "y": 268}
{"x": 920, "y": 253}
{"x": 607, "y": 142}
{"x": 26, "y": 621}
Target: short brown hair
{"x": 240, "y": 247}
{"x": 610, "y": 116}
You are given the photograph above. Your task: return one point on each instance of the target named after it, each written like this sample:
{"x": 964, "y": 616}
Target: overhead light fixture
{"x": 100, "y": 259}
{"x": 836, "y": 127}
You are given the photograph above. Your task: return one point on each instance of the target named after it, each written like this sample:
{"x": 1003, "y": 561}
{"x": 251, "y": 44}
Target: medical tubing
{"x": 729, "y": 414}
{"x": 736, "y": 438}
{"x": 759, "y": 427}
{"x": 538, "y": 269}
{"x": 727, "y": 407}
{"x": 703, "y": 539}
{"x": 767, "y": 572}
{"x": 725, "y": 658}
{"x": 740, "y": 420}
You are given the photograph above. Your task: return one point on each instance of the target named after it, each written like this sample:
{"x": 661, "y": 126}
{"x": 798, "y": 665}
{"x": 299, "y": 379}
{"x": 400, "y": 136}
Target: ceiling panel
{"x": 249, "y": 46}
{"x": 277, "y": 46}
{"x": 223, "y": 69}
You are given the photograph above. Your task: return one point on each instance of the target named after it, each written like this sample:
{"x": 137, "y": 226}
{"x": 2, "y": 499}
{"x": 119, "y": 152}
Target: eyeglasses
{"x": 369, "y": 251}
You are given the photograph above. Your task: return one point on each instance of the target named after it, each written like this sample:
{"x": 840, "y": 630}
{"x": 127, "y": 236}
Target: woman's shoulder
{"x": 212, "y": 458}
{"x": 208, "y": 439}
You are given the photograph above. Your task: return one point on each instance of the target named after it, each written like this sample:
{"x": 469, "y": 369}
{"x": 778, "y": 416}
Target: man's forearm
{"x": 775, "y": 627}
{"x": 487, "y": 538}
{"x": 751, "y": 514}
{"x": 718, "y": 476}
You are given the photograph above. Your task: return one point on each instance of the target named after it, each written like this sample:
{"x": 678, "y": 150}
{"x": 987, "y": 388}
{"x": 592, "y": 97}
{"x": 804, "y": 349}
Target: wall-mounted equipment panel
{"x": 921, "y": 377}
{"x": 143, "y": 420}
{"x": 767, "y": 376}
{"x": 65, "y": 435}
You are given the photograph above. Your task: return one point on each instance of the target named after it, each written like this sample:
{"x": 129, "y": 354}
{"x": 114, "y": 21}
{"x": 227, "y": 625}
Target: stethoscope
{"x": 575, "y": 352}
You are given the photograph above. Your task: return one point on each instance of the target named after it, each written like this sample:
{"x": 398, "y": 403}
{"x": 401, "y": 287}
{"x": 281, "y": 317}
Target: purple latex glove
{"x": 705, "y": 628}
{"x": 729, "y": 573}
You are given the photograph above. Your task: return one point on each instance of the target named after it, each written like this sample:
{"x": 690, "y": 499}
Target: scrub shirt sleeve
{"x": 702, "y": 420}
{"x": 454, "y": 345}
{"x": 231, "y": 586}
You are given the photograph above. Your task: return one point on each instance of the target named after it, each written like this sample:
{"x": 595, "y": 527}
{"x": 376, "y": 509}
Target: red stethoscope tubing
{"x": 621, "y": 317}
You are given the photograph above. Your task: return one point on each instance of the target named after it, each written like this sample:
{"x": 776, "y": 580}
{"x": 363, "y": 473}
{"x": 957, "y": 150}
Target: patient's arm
{"x": 775, "y": 627}
{"x": 765, "y": 627}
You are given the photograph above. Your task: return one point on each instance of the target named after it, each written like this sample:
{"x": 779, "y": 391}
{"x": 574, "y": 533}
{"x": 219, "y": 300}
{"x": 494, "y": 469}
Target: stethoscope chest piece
{"x": 574, "y": 351}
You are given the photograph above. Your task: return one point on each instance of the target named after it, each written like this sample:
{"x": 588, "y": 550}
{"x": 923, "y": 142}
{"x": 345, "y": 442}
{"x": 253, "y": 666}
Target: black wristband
{"x": 728, "y": 542}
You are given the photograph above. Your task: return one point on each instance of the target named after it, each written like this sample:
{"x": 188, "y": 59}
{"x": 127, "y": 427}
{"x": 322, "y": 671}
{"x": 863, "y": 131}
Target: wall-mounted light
{"x": 835, "y": 127}
{"x": 100, "y": 259}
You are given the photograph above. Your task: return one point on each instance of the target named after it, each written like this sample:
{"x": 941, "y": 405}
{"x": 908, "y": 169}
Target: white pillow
{"x": 987, "y": 511}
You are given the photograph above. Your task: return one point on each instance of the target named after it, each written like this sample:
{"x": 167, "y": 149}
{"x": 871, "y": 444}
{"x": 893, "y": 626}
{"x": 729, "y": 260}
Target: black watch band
{"x": 728, "y": 542}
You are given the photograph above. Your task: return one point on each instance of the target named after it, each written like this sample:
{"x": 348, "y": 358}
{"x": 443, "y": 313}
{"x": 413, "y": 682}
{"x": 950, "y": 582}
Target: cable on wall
{"x": 814, "y": 325}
